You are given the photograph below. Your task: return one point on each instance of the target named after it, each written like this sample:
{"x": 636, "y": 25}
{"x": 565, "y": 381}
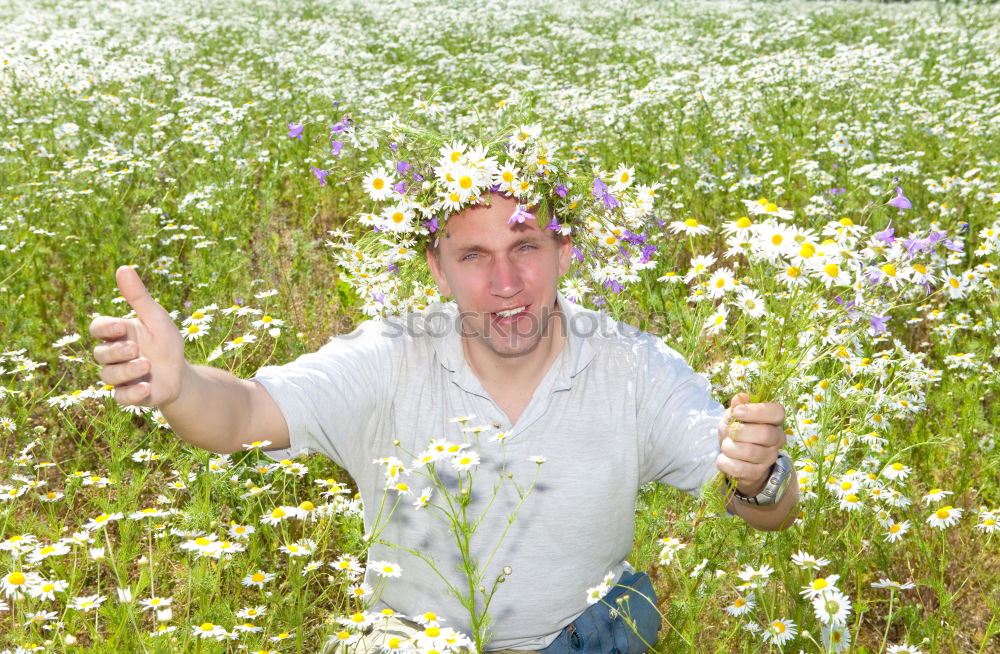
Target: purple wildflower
{"x": 402, "y": 167}
{"x": 954, "y": 246}
{"x": 900, "y": 201}
{"x": 519, "y": 215}
{"x": 933, "y": 237}
{"x": 878, "y": 323}
{"x": 432, "y": 225}
{"x": 647, "y": 253}
{"x": 394, "y": 147}
{"x": 336, "y": 147}
{"x": 320, "y": 174}
{"x": 600, "y": 190}
{"x": 341, "y": 126}
{"x": 399, "y": 187}
{"x": 599, "y": 187}
{"x": 295, "y": 131}
{"x": 578, "y": 254}
{"x": 561, "y": 190}
{"x": 392, "y": 268}
{"x": 417, "y": 177}
{"x": 887, "y": 234}
{"x": 613, "y": 285}
{"x": 911, "y": 245}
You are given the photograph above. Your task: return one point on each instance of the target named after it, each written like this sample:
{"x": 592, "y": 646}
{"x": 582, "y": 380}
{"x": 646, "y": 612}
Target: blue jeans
{"x": 625, "y": 621}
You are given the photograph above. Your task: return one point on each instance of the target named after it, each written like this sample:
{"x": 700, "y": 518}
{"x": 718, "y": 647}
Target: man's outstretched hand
{"x": 143, "y": 357}
{"x": 750, "y": 447}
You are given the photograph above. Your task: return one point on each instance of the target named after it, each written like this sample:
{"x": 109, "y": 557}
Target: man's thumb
{"x": 136, "y": 295}
{"x": 738, "y": 399}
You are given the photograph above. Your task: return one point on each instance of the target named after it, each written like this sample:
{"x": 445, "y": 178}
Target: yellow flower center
{"x": 378, "y": 183}
{"x": 258, "y": 577}
{"x": 15, "y": 578}
{"x": 831, "y": 269}
{"x": 691, "y": 222}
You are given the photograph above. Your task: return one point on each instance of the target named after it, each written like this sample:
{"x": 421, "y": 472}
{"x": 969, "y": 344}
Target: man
{"x": 610, "y": 408}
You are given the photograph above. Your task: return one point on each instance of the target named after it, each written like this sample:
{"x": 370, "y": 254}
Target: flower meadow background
{"x": 157, "y": 134}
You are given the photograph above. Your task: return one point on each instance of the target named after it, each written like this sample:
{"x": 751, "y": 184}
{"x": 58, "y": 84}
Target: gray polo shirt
{"x": 617, "y": 409}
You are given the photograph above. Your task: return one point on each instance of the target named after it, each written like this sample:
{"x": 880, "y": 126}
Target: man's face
{"x": 490, "y": 267}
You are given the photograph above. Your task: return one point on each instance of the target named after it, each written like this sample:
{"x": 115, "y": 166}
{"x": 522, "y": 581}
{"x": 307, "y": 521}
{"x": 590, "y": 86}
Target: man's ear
{"x": 565, "y": 254}
{"x": 434, "y": 263}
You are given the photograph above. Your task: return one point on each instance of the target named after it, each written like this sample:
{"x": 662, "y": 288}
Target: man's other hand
{"x": 750, "y": 445}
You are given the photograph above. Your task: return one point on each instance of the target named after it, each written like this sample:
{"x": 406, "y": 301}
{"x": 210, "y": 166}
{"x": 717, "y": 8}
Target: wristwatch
{"x": 777, "y": 483}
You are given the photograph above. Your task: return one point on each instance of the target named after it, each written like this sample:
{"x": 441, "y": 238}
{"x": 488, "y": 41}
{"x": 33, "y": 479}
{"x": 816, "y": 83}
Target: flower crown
{"x": 416, "y": 178}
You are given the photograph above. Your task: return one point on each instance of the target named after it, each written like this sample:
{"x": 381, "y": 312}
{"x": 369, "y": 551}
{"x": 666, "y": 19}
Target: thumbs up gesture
{"x": 143, "y": 357}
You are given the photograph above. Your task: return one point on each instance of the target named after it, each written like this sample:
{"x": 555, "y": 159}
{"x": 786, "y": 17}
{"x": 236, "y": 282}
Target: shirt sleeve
{"x": 333, "y": 398}
{"x": 679, "y": 418}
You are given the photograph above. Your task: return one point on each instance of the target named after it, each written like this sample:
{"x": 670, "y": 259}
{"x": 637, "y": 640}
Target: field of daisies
{"x": 825, "y": 234}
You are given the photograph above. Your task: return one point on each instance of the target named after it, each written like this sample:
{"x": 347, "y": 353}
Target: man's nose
{"x": 506, "y": 279}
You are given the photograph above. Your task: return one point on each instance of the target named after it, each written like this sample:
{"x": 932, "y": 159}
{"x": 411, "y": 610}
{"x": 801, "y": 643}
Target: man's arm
{"x": 770, "y": 518}
{"x": 217, "y": 411}
{"x": 748, "y": 451}
{"x": 143, "y": 358}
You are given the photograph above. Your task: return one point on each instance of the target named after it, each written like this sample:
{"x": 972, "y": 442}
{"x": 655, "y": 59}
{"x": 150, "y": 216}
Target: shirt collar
{"x": 577, "y": 353}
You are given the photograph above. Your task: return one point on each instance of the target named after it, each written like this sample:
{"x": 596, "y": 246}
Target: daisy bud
{"x": 164, "y": 615}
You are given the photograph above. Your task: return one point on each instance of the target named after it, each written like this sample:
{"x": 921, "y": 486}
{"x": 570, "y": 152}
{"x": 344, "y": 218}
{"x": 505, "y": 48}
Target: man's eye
{"x": 528, "y": 246}
{"x": 469, "y": 257}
